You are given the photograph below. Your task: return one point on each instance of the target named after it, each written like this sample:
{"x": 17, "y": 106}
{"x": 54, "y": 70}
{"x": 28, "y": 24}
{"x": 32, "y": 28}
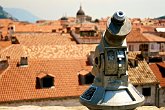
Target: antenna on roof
{"x": 80, "y": 5}
{"x": 65, "y": 14}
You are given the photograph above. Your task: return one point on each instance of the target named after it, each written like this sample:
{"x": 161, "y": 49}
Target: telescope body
{"x": 111, "y": 89}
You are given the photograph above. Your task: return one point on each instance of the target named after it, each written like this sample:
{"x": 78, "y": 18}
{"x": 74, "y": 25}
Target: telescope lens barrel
{"x": 118, "y": 17}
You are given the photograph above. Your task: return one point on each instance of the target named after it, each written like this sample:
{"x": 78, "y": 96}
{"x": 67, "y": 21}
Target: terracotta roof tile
{"x": 4, "y": 44}
{"x": 36, "y": 28}
{"x": 156, "y": 68}
{"x": 83, "y": 72}
{"x": 142, "y": 74}
{"x": 18, "y": 83}
{"x": 43, "y": 74}
{"x": 153, "y": 38}
{"x": 137, "y": 36}
{"x": 29, "y": 39}
{"x": 13, "y": 51}
{"x": 47, "y": 51}
{"x": 88, "y": 27}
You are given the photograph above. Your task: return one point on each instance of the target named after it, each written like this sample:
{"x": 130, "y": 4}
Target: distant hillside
{"x": 5, "y": 15}
{"x": 162, "y": 17}
{"x": 21, "y": 14}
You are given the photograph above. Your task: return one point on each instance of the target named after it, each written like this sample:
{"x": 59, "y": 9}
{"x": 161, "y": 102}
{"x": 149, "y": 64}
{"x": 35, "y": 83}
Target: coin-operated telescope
{"x": 111, "y": 89}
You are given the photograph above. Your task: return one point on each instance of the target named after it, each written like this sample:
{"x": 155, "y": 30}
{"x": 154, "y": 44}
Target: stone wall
{"x": 149, "y": 100}
{"x": 161, "y": 97}
{"x": 46, "y": 102}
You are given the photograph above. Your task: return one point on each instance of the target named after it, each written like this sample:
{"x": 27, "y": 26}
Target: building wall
{"x": 134, "y": 46}
{"x": 162, "y": 47}
{"x": 161, "y": 97}
{"x": 149, "y": 100}
{"x": 80, "y": 18}
{"x": 153, "y": 47}
{"x": 46, "y": 102}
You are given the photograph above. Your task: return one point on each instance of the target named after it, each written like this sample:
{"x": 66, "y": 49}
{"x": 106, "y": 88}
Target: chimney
{"x": 7, "y": 57}
{"x": 11, "y": 30}
{"x": 14, "y": 40}
{"x": 90, "y": 58}
{"x": 3, "y": 64}
{"x": 23, "y": 61}
{"x": 133, "y": 63}
{"x": 136, "y": 62}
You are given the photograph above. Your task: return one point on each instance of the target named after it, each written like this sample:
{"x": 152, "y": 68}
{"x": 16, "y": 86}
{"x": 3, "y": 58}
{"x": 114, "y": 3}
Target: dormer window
{"x": 85, "y": 77}
{"x": 44, "y": 80}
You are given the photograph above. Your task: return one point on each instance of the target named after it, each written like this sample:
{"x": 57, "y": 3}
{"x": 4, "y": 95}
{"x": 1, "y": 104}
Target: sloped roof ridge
{"x": 59, "y": 59}
{"x": 151, "y": 37}
{"x": 19, "y": 47}
{"x": 42, "y": 74}
{"x": 162, "y": 64}
{"x": 141, "y": 74}
{"x": 145, "y": 38}
{"x": 133, "y": 54}
{"x": 6, "y": 48}
{"x": 83, "y": 72}
{"x": 135, "y": 37}
{"x": 157, "y": 72}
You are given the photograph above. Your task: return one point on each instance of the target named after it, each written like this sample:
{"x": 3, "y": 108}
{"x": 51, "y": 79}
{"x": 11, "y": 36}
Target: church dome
{"x": 80, "y": 12}
{"x": 64, "y": 18}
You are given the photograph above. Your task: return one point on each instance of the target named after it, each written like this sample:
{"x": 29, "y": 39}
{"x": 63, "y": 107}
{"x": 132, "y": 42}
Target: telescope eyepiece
{"x": 118, "y": 17}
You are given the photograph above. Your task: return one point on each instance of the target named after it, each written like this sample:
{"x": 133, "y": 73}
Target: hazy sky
{"x": 55, "y": 9}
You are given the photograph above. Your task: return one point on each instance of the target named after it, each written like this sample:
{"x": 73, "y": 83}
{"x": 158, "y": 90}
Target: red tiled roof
{"x": 142, "y": 74}
{"x": 136, "y": 36}
{"x": 13, "y": 51}
{"x": 18, "y": 83}
{"x": 47, "y": 27}
{"x": 42, "y": 74}
{"x": 83, "y": 72}
{"x": 147, "y": 28}
{"x": 157, "y": 72}
{"x": 29, "y": 39}
{"x": 153, "y": 38}
{"x": 47, "y": 51}
{"x": 88, "y": 27}
{"x": 4, "y": 44}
